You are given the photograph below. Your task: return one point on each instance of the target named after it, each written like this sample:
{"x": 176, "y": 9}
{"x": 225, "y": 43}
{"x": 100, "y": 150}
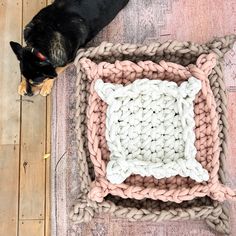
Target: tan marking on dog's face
{"x": 22, "y": 89}
{"x": 35, "y": 85}
{"x": 36, "y": 90}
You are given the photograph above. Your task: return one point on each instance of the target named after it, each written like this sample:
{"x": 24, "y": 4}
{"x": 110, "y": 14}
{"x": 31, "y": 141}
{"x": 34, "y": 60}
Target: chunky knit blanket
{"x": 177, "y": 188}
{"x": 183, "y": 53}
{"x": 150, "y": 129}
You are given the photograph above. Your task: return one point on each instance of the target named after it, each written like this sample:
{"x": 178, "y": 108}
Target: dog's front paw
{"x": 22, "y": 89}
{"x": 47, "y": 87}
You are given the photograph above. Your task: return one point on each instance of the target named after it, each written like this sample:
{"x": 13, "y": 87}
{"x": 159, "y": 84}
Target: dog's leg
{"x": 48, "y": 83}
{"x": 47, "y": 87}
{"x": 22, "y": 89}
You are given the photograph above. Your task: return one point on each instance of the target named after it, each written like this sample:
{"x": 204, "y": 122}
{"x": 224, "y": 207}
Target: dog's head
{"x": 34, "y": 66}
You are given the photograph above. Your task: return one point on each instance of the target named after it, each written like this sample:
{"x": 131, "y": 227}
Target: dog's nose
{"x": 30, "y": 94}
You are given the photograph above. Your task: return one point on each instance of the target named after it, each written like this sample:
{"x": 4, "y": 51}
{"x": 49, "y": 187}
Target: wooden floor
{"x": 24, "y": 135}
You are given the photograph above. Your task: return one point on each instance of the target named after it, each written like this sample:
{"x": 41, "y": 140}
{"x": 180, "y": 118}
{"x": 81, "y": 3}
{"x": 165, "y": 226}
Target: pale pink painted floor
{"x": 198, "y": 21}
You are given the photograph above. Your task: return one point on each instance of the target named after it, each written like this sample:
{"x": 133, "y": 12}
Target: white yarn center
{"x": 150, "y": 129}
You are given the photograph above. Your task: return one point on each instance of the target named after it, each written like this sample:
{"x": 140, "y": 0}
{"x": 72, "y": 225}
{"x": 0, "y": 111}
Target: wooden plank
{"x": 9, "y": 72}
{"x": 31, "y": 227}
{"x": 33, "y": 137}
{"x": 10, "y": 29}
{"x": 47, "y": 225}
{"x": 9, "y": 173}
{"x": 48, "y": 172}
{"x": 32, "y": 170}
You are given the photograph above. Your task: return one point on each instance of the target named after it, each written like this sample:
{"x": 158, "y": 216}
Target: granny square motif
{"x": 150, "y": 129}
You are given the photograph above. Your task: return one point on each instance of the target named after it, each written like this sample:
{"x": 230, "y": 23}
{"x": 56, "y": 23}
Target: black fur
{"x": 58, "y": 31}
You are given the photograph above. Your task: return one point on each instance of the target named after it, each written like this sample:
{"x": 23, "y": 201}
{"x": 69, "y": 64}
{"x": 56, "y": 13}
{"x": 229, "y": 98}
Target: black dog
{"x": 55, "y": 34}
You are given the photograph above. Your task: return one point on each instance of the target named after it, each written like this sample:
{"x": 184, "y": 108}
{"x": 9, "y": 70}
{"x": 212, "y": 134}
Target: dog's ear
{"x": 17, "y": 49}
{"x": 49, "y": 71}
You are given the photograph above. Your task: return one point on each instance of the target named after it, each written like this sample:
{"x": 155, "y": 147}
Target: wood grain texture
{"x": 24, "y": 135}
{"x": 33, "y": 138}
{"x": 31, "y": 228}
{"x": 32, "y": 169}
{"x": 47, "y": 226}
{"x": 9, "y": 171}
{"x": 142, "y": 21}
{"x": 47, "y": 213}
{"x": 10, "y": 28}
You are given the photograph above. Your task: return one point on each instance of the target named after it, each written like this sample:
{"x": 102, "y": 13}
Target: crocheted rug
{"x": 175, "y": 188}
{"x": 182, "y": 53}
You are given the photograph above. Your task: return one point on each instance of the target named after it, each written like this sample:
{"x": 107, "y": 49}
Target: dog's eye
{"x": 31, "y": 81}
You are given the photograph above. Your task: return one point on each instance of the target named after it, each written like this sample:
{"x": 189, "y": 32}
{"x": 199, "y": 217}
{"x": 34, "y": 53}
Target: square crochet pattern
{"x": 176, "y": 188}
{"x": 150, "y": 129}
{"x": 183, "y": 53}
